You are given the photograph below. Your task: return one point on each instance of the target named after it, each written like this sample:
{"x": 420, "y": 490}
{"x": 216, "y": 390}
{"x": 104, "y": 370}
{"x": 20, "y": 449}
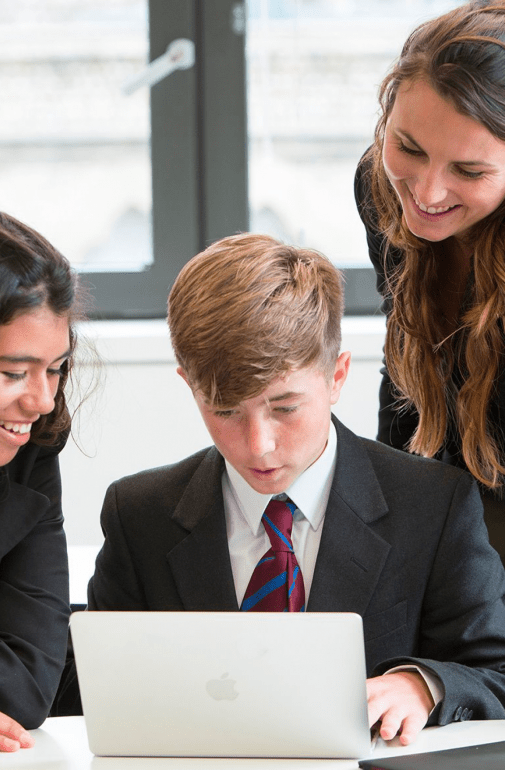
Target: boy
{"x": 255, "y": 326}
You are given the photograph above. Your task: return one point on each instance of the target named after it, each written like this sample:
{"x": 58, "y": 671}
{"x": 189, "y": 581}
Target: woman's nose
{"x": 430, "y": 188}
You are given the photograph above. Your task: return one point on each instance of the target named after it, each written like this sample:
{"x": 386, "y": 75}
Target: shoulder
{"x": 386, "y": 457}
{"x": 32, "y": 459}
{"x": 415, "y": 482}
{"x": 166, "y": 484}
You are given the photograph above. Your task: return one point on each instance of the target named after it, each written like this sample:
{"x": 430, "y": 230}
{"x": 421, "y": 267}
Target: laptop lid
{"x": 222, "y": 684}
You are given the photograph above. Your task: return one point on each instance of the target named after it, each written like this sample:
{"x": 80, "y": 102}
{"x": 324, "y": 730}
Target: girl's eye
{"x": 14, "y": 375}
{"x": 55, "y": 372}
{"x": 470, "y": 174}
{"x": 224, "y": 413}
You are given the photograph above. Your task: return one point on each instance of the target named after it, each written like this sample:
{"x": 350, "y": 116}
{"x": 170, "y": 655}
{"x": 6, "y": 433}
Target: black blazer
{"x": 403, "y": 544}
{"x": 34, "y": 605}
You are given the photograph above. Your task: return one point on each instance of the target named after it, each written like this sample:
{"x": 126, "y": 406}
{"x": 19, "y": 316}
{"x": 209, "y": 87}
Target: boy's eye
{"x": 285, "y": 409}
{"x": 224, "y": 413}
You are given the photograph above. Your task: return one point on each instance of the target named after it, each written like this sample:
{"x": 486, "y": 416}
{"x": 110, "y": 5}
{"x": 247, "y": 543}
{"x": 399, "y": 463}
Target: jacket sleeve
{"x": 462, "y": 627}
{"x": 395, "y": 428}
{"x": 113, "y": 586}
{"x": 34, "y": 601}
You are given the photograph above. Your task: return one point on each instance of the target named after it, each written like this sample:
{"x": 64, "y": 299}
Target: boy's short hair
{"x": 249, "y": 309}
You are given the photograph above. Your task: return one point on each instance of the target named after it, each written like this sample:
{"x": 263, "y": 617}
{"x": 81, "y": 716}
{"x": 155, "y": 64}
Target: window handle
{"x": 180, "y": 55}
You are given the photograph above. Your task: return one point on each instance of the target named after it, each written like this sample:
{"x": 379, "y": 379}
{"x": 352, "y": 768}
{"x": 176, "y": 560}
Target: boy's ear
{"x": 339, "y": 375}
{"x": 183, "y": 374}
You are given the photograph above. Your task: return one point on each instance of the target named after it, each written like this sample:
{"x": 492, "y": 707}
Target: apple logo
{"x": 222, "y": 689}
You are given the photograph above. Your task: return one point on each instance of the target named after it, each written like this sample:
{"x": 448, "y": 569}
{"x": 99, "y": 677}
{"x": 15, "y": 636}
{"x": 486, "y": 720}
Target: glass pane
{"x": 314, "y": 67}
{"x": 74, "y": 150}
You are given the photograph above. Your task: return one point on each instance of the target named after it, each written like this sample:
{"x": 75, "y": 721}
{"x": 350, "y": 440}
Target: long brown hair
{"x": 462, "y": 56}
{"x": 34, "y": 274}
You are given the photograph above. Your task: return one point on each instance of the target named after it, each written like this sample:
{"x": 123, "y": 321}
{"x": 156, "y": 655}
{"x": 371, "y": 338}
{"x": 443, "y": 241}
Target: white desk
{"x": 61, "y": 744}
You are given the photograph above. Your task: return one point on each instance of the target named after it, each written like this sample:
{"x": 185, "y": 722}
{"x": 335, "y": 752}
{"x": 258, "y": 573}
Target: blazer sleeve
{"x": 34, "y": 600}
{"x": 115, "y": 584}
{"x": 395, "y": 427}
{"x": 462, "y": 625}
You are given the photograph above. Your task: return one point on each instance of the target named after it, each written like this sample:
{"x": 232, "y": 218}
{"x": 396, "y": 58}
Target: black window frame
{"x": 198, "y": 159}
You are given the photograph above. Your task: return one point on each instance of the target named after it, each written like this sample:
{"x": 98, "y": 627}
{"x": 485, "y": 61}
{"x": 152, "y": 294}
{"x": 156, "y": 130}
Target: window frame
{"x": 198, "y": 160}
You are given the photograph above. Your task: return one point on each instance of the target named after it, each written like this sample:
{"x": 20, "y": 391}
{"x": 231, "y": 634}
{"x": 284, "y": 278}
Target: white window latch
{"x": 180, "y": 55}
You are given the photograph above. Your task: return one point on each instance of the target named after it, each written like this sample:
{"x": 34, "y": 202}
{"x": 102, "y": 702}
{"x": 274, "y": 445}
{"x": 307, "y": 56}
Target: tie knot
{"x": 278, "y": 522}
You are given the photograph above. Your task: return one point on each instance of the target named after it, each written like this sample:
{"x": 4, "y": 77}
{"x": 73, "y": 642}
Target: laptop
{"x": 222, "y": 684}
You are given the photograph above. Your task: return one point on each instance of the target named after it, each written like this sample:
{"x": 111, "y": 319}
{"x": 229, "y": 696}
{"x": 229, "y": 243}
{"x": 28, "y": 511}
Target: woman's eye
{"x": 409, "y": 150}
{"x": 55, "y": 372}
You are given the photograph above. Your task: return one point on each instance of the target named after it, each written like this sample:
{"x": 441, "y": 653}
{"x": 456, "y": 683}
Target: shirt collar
{"x": 310, "y": 491}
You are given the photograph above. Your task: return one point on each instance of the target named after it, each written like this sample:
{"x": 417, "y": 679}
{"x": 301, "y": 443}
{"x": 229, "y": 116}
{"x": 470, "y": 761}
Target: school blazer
{"x": 403, "y": 544}
{"x": 34, "y": 605}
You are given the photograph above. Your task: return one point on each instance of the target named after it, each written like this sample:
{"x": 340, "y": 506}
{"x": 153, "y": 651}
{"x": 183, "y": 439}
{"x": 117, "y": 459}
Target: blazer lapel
{"x": 351, "y": 555}
{"x": 209, "y": 584}
{"x": 20, "y": 508}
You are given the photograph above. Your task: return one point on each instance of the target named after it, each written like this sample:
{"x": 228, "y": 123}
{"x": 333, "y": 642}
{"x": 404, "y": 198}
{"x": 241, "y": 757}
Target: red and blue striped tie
{"x": 276, "y": 584}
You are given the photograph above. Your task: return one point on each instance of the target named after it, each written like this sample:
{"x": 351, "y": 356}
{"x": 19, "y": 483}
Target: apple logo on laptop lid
{"x": 222, "y": 689}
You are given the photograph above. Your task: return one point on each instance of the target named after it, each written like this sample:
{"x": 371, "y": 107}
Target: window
{"x": 129, "y": 187}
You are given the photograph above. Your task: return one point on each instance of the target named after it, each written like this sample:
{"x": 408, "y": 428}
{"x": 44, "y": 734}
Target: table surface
{"x": 61, "y": 744}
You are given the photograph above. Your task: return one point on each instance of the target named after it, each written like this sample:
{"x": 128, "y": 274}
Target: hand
{"x": 13, "y": 736}
{"x": 401, "y": 702}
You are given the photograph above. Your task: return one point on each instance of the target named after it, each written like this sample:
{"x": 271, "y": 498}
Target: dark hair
{"x": 34, "y": 274}
{"x": 461, "y": 55}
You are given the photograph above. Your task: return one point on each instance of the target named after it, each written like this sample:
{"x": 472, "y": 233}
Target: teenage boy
{"x": 255, "y": 326}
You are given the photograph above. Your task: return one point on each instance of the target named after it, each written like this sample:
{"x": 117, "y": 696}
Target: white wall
{"x": 143, "y": 414}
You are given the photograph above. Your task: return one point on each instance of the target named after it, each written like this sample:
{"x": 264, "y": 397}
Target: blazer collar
{"x": 351, "y": 555}
{"x": 20, "y": 508}
{"x": 208, "y": 585}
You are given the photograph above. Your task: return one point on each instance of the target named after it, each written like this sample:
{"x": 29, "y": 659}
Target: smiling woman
{"x": 38, "y": 305}
{"x": 431, "y": 193}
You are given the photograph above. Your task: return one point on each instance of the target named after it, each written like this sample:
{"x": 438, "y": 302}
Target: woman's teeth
{"x": 432, "y": 209}
{"x": 16, "y": 427}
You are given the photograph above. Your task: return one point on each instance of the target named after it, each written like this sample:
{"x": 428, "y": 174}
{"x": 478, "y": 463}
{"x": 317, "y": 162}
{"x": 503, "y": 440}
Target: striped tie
{"x": 276, "y": 584}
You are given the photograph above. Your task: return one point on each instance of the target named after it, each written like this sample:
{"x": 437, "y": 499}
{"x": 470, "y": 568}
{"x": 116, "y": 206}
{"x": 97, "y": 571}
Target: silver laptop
{"x": 222, "y": 684}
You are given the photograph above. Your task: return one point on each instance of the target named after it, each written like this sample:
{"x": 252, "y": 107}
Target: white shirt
{"x": 248, "y": 540}
{"x": 244, "y": 507}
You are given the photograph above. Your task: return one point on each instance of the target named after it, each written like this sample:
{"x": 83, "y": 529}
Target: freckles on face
{"x": 274, "y": 437}
{"x": 447, "y": 169}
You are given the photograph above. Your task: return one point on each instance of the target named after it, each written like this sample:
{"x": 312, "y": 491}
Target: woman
{"x": 431, "y": 194}
{"x": 37, "y": 341}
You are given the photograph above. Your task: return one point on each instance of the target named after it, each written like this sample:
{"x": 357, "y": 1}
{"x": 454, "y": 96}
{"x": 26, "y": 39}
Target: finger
{"x": 391, "y": 725}
{"x": 8, "y": 744}
{"x": 14, "y": 733}
{"x": 375, "y": 702}
{"x": 412, "y": 726}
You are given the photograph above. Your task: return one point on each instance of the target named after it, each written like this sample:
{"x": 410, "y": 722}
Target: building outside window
{"x": 129, "y": 186}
